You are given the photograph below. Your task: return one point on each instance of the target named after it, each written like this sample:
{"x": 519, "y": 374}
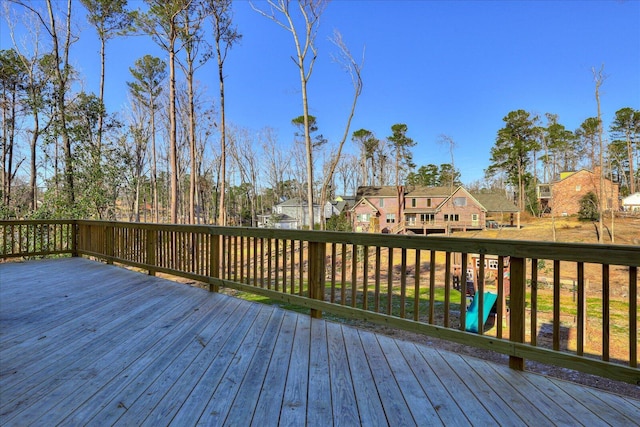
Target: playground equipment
{"x": 471, "y": 319}
{"x": 471, "y": 277}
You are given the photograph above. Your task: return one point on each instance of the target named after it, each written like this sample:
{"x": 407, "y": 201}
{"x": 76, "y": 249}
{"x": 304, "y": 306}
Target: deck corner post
{"x": 151, "y": 251}
{"x": 317, "y": 255}
{"x": 214, "y": 262}
{"x": 517, "y": 308}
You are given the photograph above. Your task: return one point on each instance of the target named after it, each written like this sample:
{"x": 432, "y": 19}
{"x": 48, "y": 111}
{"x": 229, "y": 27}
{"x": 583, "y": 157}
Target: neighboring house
{"x": 563, "y": 196}
{"x": 498, "y": 205}
{"x": 294, "y": 213}
{"x": 417, "y": 210}
{"x": 631, "y": 203}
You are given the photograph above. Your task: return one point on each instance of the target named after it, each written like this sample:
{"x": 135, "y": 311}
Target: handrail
{"x": 404, "y": 281}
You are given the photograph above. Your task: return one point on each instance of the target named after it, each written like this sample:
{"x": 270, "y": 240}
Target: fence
{"x": 404, "y": 282}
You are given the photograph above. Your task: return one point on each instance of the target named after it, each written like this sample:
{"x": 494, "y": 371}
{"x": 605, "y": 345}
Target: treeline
{"x": 530, "y": 150}
{"x": 171, "y": 156}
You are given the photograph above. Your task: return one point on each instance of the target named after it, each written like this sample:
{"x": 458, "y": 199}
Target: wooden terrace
{"x": 84, "y": 343}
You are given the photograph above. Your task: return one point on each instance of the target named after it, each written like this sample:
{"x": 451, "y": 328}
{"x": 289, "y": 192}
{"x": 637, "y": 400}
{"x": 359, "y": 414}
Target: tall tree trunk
{"x": 222, "y": 217}
{"x": 101, "y": 116}
{"x": 173, "y": 149}
{"x": 154, "y": 163}
{"x": 60, "y": 92}
{"x": 33, "y": 189}
{"x": 599, "y": 78}
{"x": 192, "y": 148}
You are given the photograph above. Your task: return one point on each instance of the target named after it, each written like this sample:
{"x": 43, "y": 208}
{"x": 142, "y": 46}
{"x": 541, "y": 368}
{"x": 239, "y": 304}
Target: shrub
{"x": 589, "y": 207}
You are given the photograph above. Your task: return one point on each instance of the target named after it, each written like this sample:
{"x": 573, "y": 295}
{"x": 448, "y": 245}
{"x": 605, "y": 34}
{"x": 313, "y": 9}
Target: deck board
{"x": 83, "y": 343}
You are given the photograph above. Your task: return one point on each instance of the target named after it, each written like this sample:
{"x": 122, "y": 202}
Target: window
{"x": 578, "y": 187}
{"x": 391, "y": 218}
{"x": 413, "y": 203}
{"x": 381, "y": 203}
{"x": 428, "y": 203}
{"x": 411, "y": 218}
{"x": 459, "y": 201}
{"x": 427, "y": 217}
{"x": 451, "y": 217}
{"x": 363, "y": 217}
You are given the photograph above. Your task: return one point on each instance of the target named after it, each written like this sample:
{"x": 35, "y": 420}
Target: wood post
{"x": 74, "y": 239}
{"x": 317, "y": 255}
{"x": 151, "y": 251}
{"x": 108, "y": 241}
{"x": 517, "y": 308}
{"x": 214, "y": 262}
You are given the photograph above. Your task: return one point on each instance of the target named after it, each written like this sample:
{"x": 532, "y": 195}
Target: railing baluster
{"x": 447, "y": 287}
{"x": 581, "y": 310}
{"x": 377, "y": 280}
{"x": 556, "y": 305}
{"x": 403, "y": 282}
{"x": 389, "y": 281}
{"x": 343, "y": 273}
{"x": 354, "y": 275}
{"x": 432, "y": 286}
{"x": 333, "y": 272}
{"x": 365, "y": 277}
{"x": 416, "y": 287}
{"x": 463, "y": 291}
{"x": 633, "y": 317}
{"x": 605, "y": 312}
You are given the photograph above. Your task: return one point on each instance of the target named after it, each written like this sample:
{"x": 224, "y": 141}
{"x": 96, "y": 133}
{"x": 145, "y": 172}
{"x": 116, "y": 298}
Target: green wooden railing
{"x": 565, "y": 304}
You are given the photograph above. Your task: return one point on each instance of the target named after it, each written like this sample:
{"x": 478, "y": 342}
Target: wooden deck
{"x": 83, "y": 343}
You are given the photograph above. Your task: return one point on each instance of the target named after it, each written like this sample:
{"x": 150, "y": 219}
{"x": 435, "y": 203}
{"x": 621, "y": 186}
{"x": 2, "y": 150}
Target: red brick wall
{"x": 568, "y": 192}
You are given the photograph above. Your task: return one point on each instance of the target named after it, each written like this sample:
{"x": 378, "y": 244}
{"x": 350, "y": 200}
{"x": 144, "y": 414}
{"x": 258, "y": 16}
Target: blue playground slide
{"x": 471, "y": 319}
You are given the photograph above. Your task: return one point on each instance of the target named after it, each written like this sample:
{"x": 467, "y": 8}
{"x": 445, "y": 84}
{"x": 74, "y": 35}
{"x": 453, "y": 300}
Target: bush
{"x": 589, "y": 207}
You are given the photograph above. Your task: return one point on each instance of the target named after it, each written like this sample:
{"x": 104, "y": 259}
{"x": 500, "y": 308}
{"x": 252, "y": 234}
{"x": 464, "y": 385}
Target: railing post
{"x": 151, "y": 251}
{"x": 214, "y": 261}
{"x": 74, "y": 238}
{"x": 317, "y": 255}
{"x": 108, "y": 242}
{"x": 517, "y": 308}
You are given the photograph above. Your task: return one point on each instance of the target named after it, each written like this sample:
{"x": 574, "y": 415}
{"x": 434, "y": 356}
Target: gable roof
{"x": 364, "y": 201}
{"x": 458, "y": 189}
{"x": 495, "y": 202}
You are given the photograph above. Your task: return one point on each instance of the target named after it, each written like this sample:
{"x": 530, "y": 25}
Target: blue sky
{"x": 441, "y": 67}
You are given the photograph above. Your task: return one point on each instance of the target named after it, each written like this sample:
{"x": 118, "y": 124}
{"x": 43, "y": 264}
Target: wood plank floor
{"x": 83, "y": 343}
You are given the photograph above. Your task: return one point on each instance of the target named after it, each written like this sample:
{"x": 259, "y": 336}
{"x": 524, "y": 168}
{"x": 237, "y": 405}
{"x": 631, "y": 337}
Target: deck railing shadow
{"x": 404, "y": 282}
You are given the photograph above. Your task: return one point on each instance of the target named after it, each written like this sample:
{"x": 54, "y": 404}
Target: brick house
{"x": 417, "y": 210}
{"x": 563, "y": 196}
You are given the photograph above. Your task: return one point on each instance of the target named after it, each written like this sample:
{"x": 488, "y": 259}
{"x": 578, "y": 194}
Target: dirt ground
{"x": 620, "y": 231}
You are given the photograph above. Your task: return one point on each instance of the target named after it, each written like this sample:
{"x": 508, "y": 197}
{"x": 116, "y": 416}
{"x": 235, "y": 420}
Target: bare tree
{"x": 274, "y": 161}
{"x": 346, "y": 60}
{"x": 109, "y": 17}
{"x": 245, "y": 156}
{"x": 61, "y": 40}
{"x": 598, "y": 78}
{"x": 161, "y": 21}
{"x": 306, "y": 54}
{"x": 225, "y": 36}
{"x": 447, "y": 140}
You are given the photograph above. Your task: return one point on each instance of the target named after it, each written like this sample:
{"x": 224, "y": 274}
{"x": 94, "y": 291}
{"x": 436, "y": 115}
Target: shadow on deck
{"x": 86, "y": 343}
